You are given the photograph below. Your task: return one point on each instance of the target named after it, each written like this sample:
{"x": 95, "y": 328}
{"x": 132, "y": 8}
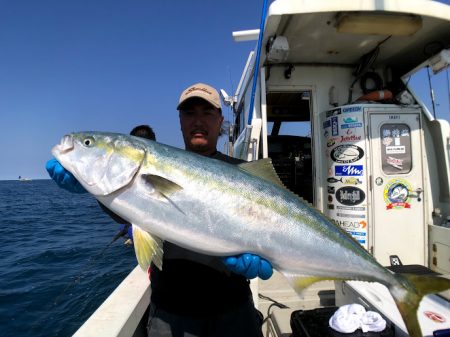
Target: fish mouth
{"x": 64, "y": 146}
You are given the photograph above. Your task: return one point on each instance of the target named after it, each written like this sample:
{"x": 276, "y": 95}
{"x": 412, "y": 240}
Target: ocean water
{"x": 53, "y": 272}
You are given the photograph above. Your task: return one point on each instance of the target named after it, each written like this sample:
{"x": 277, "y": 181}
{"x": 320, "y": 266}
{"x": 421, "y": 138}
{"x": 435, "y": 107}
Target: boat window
{"x": 289, "y": 140}
{"x": 396, "y": 156}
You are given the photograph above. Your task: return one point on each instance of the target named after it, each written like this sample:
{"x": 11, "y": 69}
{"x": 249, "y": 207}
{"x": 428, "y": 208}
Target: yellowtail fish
{"x": 220, "y": 209}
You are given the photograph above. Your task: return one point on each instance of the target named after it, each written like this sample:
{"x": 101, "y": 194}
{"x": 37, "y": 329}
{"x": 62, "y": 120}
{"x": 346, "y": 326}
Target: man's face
{"x": 200, "y": 124}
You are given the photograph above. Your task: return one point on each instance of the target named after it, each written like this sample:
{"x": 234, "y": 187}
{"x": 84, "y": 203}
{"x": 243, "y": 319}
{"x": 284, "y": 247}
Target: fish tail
{"x": 409, "y": 292}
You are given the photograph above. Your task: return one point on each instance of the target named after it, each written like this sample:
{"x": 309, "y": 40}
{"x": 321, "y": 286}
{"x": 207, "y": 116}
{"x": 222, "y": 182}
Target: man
{"x": 196, "y": 294}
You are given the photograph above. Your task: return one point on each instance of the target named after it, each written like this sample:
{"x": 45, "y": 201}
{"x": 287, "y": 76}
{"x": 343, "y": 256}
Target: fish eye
{"x": 89, "y": 141}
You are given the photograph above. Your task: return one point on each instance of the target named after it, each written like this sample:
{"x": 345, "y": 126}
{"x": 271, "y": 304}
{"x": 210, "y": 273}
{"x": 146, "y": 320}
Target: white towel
{"x": 348, "y": 318}
{"x": 372, "y": 321}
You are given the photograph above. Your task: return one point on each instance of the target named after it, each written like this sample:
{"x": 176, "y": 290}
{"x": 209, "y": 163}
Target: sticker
{"x": 330, "y": 206}
{"x": 334, "y": 126}
{"x": 348, "y": 170}
{"x": 351, "y": 125}
{"x": 387, "y": 141}
{"x": 357, "y": 233}
{"x": 330, "y": 198}
{"x": 331, "y": 142}
{"x": 347, "y": 224}
{"x": 348, "y": 215}
{"x": 351, "y": 109}
{"x": 352, "y": 181}
{"x": 333, "y": 180}
{"x": 331, "y": 189}
{"x": 395, "y": 162}
{"x": 395, "y": 149}
{"x": 349, "y": 208}
{"x": 326, "y": 124}
{"x": 435, "y": 317}
{"x": 346, "y": 154}
{"x": 352, "y": 138}
{"x": 350, "y": 196}
{"x": 396, "y": 194}
{"x": 334, "y": 112}
{"x": 348, "y": 120}
{"x": 379, "y": 181}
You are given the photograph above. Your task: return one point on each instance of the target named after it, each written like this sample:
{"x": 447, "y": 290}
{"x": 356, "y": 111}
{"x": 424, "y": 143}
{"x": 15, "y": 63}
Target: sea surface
{"x": 53, "y": 273}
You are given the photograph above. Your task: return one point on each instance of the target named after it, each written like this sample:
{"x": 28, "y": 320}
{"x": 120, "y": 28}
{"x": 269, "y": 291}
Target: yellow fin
{"x": 147, "y": 248}
{"x": 264, "y": 169}
{"x": 408, "y": 301}
{"x": 301, "y": 282}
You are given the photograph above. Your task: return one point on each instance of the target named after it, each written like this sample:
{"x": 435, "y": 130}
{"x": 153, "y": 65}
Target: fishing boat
{"x": 20, "y": 178}
{"x": 325, "y": 94}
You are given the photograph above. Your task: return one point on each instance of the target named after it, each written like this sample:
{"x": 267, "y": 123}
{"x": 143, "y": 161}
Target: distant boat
{"x": 24, "y": 179}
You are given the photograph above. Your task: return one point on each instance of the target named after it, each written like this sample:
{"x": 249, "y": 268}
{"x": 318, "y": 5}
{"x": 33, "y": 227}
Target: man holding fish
{"x": 198, "y": 294}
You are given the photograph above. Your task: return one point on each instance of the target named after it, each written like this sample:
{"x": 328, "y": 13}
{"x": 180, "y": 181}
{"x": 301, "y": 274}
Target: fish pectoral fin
{"x": 264, "y": 169}
{"x": 161, "y": 184}
{"x": 164, "y": 188}
{"x": 148, "y": 248}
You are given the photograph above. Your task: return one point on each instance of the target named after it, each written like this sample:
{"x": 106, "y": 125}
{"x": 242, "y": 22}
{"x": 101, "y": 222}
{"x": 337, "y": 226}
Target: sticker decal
{"x": 350, "y": 196}
{"x": 352, "y": 181}
{"x": 396, "y": 194}
{"x": 435, "y": 317}
{"x": 346, "y": 154}
{"x": 334, "y": 126}
{"x": 333, "y": 180}
{"x": 348, "y": 170}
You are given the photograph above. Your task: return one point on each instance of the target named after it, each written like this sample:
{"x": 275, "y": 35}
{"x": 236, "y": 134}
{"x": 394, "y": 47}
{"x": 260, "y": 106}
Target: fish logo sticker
{"x": 352, "y": 181}
{"x": 350, "y": 196}
{"x": 348, "y": 170}
{"x": 396, "y": 194}
{"x": 346, "y": 154}
{"x": 333, "y": 180}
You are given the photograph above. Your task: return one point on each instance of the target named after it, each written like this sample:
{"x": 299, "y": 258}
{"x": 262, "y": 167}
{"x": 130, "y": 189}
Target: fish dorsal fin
{"x": 161, "y": 184}
{"x": 148, "y": 248}
{"x": 264, "y": 169}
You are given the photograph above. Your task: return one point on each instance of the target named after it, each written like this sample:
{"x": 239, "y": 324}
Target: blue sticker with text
{"x": 334, "y": 126}
{"x": 348, "y": 170}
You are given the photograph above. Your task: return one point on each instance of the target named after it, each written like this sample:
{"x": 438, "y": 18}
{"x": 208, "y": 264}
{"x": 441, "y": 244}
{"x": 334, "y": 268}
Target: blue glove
{"x": 63, "y": 178}
{"x": 249, "y": 265}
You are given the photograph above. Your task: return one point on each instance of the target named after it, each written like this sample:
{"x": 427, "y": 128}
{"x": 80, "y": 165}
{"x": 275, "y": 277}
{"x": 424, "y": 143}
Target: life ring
{"x": 378, "y": 95}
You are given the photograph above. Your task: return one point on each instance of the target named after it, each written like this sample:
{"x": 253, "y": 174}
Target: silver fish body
{"x": 216, "y": 208}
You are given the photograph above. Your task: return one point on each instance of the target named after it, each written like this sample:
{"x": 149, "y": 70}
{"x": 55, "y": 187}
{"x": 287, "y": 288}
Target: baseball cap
{"x": 203, "y": 91}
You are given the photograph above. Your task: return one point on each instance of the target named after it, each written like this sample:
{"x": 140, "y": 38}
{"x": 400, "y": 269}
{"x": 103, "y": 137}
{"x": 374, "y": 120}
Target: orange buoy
{"x": 379, "y": 95}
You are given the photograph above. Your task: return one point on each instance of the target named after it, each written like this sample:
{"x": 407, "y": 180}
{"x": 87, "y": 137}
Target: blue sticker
{"x": 334, "y": 126}
{"x": 326, "y": 124}
{"x": 351, "y": 109}
{"x": 351, "y": 125}
{"x": 348, "y": 170}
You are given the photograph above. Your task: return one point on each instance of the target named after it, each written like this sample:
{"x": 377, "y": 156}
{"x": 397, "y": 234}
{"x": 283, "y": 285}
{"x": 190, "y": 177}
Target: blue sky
{"x": 109, "y": 65}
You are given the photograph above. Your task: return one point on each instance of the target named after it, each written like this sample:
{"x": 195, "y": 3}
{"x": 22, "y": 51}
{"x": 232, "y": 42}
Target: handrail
{"x": 255, "y": 69}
